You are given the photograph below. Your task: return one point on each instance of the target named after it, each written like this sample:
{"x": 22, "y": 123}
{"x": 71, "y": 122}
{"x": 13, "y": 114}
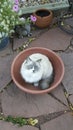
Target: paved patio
{"x": 54, "y": 111}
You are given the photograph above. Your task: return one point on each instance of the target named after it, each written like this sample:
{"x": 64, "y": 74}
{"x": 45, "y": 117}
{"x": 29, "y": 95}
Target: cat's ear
{"x": 39, "y": 60}
{"x": 27, "y": 60}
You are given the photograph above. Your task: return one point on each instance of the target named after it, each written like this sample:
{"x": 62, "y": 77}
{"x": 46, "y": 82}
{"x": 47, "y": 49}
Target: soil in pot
{"x": 43, "y": 13}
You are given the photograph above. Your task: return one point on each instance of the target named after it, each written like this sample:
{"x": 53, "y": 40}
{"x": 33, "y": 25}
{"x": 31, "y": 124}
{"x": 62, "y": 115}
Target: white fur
{"x": 44, "y": 65}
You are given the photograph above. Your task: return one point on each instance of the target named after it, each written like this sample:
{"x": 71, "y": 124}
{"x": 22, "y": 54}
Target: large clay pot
{"x": 44, "y": 17}
{"x": 29, "y": 88}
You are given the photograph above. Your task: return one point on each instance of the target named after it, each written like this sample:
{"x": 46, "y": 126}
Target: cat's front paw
{"x": 36, "y": 84}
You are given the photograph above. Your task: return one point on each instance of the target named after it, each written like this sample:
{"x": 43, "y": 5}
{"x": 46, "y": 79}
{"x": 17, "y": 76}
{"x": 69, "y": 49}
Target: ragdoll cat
{"x": 38, "y": 70}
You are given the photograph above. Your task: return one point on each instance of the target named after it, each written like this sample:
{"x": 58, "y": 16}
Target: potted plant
{"x": 9, "y": 17}
{"x": 43, "y": 17}
{"x": 25, "y": 29}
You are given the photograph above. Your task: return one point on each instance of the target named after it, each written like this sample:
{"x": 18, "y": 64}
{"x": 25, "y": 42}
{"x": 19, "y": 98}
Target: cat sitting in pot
{"x": 37, "y": 69}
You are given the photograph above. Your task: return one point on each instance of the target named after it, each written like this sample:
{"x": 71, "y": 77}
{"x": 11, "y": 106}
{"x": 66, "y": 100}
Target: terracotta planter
{"x": 44, "y": 17}
{"x": 57, "y": 65}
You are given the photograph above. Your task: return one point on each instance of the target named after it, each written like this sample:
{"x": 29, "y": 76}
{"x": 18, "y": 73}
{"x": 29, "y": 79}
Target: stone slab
{"x": 10, "y": 126}
{"x": 68, "y": 77}
{"x": 71, "y": 99}
{"x": 17, "y": 103}
{"x": 63, "y": 122}
{"x": 5, "y": 69}
{"x": 20, "y": 42}
{"x": 0, "y": 104}
{"x": 67, "y": 59}
{"x": 6, "y": 51}
{"x": 54, "y": 39}
{"x": 59, "y": 94}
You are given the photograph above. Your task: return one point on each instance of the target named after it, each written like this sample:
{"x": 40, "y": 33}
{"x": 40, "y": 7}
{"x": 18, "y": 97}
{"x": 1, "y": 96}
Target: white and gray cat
{"x": 38, "y": 70}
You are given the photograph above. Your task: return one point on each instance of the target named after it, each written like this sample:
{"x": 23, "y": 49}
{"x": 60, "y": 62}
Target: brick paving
{"x": 52, "y": 110}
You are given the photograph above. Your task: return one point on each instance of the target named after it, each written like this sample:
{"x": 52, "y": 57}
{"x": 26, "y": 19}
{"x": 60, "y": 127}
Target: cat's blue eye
{"x": 29, "y": 67}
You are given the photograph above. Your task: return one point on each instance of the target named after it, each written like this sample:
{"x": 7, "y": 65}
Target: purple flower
{"x": 15, "y": 8}
{"x": 16, "y": 2}
{"x": 33, "y": 18}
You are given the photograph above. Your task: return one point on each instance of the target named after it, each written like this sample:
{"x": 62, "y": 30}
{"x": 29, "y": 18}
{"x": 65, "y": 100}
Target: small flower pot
{"x": 4, "y": 43}
{"x": 29, "y": 88}
{"x": 44, "y": 17}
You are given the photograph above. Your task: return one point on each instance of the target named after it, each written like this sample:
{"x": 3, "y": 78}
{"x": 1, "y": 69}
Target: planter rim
{"x": 50, "y": 13}
{"x": 40, "y": 91}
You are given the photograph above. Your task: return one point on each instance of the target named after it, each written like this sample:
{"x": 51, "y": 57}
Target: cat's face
{"x": 31, "y": 65}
